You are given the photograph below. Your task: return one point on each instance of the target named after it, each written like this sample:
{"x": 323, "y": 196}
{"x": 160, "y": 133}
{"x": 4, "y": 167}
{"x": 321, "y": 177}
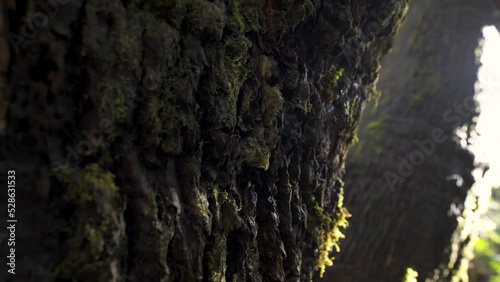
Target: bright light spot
{"x": 411, "y": 275}
{"x": 486, "y": 146}
{"x": 459, "y": 181}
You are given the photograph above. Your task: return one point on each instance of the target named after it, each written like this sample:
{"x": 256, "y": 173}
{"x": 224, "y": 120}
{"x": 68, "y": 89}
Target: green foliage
{"x": 486, "y": 262}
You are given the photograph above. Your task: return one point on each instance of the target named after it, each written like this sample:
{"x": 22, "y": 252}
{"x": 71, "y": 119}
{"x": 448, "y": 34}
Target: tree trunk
{"x": 182, "y": 140}
{"x": 408, "y": 180}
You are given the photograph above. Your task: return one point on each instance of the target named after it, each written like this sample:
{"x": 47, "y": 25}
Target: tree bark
{"x": 183, "y": 140}
{"x": 408, "y": 180}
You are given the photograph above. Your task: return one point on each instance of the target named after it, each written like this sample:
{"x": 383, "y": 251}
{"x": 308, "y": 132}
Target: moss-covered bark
{"x": 184, "y": 140}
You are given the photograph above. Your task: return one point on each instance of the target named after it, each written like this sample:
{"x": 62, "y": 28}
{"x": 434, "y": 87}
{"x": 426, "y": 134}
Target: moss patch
{"x": 256, "y": 153}
{"x": 331, "y": 234}
{"x": 112, "y": 99}
{"x": 96, "y": 230}
{"x": 164, "y": 120}
{"x": 332, "y": 86}
{"x": 237, "y": 15}
{"x": 411, "y": 275}
{"x": 375, "y": 127}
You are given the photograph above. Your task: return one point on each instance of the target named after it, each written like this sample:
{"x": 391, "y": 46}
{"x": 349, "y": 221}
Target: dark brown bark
{"x": 407, "y": 220}
{"x": 181, "y": 140}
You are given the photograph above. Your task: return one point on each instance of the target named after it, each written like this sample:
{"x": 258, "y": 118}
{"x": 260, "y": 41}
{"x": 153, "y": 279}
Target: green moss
{"x": 200, "y": 201}
{"x": 230, "y": 69}
{"x": 127, "y": 52}
{"x": 430, "y": 86}
{"x": 125, "y": 36}
{"x": 297, "y": 12}
{"x": 355, "y": 138}
{"x": 281, "y": 21}
{"x": 272, "y": 103}
{"x": 237, "y": 15}
{"x": 251, "y": 13}
{"x": 256, "y": 153}
{"x": 205, "y": 19}
{"x": 216, "y": 258}
{"x": 411, "y": 275}
{"x": 431, "y": 80}
{"x": 357, "y": 149}
{"x": 331, "y": 240}
{"x": 225, "y": 209}
{"x": 353, "y": 120}
{"x": 163, "y": 118}
{"x": 336, "y": 76}
{"x": 303, "y": 104}
{"x": 112, "y": 99}
{"x": 97, "y": 225}
{"x": 374, "y": 133}
{"x": 228, "y": 210}
{"x": 86, "y": 184}
{"x": 237, "y": 47}
{"x": 374, "y": 94}
{"x": 418, "y": 97}
{"x": 331, "y": 232}
{"x": 376, "y": 126}
{"x": 228, "y": 75}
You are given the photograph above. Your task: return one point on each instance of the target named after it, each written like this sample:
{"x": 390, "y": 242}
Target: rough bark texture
{"x": 420, "y": 221}
{"x": 182, "y": 140}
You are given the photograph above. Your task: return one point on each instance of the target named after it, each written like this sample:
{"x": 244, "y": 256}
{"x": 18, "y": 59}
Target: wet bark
{"x": 408, "y": 180}
{"x": 183, "y": 140}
